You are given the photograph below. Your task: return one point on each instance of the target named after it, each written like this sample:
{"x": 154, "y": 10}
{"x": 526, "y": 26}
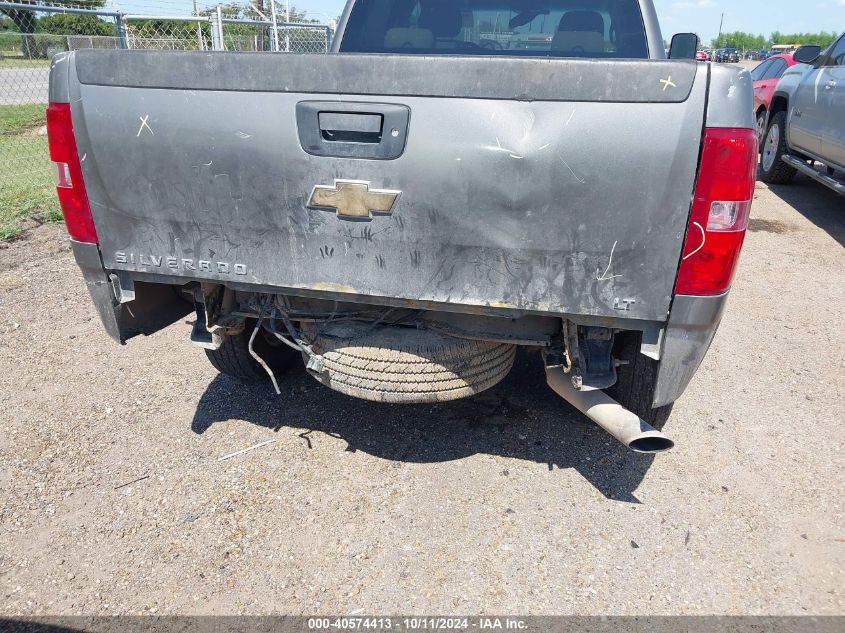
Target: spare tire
{"x": 406, "y": 365}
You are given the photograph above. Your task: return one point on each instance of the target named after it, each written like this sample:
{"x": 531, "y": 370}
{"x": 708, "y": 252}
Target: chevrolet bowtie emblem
{"x": 353, "y": 199}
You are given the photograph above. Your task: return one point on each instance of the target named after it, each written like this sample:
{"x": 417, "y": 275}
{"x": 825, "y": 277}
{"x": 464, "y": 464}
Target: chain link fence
{"x": 32, "y": 32}
{"x": 257, "y": 36}
{"x": 186, "y": 33}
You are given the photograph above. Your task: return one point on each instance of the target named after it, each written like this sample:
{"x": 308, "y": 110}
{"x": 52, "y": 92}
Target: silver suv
{"x": 806, "y": 122}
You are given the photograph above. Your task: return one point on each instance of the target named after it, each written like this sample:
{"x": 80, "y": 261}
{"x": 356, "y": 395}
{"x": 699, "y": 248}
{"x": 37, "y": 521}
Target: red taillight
{"x": 68, "y": 173}
{"x": 720, "y": 210}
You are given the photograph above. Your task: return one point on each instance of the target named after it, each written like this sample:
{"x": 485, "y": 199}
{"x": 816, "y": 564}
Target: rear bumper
{"x": 692, "y": 325}
{"x": 142, "y": 308}
{"x": 689, "y": 332}
{"x": 99, "y": 286}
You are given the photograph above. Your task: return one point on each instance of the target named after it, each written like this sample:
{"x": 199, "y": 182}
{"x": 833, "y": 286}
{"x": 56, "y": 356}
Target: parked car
{"x": 766, "y": 77}
{"x": 402, "y": 230}
{"x": 730, "y": 56}
{"x": 806, "y": 119}
{"x": 702, "y": 56}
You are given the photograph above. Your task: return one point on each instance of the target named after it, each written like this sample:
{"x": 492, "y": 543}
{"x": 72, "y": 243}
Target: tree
{"x": 748, "y": 41}
{"x": 245, "y": 10}
{"x": 295, "y": 14}
{"x": 740, "y": 40}
{"x": 74, "y": 24}
{"x": 245, "y": 35}
{"x": 25, "y": 21}
{"x": 823, "y": 38}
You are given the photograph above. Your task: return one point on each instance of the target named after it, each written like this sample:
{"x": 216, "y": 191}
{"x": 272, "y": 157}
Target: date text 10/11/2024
{"x": 417, "y": 623}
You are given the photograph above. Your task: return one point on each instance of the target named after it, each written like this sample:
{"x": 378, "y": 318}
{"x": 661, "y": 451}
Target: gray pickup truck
{"x": 806, "y": 121}
{"x": 402, "y": 214}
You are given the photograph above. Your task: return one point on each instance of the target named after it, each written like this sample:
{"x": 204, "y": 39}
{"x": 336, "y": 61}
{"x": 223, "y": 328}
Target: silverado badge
{"x": 353, "y": 199}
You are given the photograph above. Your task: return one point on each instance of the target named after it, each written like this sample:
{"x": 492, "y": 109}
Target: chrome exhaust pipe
{"x": 624, "y": 425}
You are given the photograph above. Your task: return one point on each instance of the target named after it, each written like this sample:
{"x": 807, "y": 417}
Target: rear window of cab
{"x": 548, "y": 28}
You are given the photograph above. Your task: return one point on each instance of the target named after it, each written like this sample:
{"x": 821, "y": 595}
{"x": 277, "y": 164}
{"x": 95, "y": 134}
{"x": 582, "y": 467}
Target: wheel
{"x": 233, "y": 358}
{"x": 774, "y": 170}
{"x": 761, "y": 128}
{"x": 637, "y": 380}
{"x": 406, "y": 365}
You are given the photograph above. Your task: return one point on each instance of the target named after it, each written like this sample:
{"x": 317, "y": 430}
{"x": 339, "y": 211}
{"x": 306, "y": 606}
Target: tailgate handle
{"x": 351, "y": 127}
{"x": 346, "y": 129}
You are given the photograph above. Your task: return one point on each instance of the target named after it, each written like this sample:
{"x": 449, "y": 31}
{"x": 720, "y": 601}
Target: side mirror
{"x": 684, "y": 46}
{"x": 807, "y": 54}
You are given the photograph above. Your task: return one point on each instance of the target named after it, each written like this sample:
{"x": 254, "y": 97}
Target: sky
{"x": 753, "y": 16}
{"x": 699, "y": 16}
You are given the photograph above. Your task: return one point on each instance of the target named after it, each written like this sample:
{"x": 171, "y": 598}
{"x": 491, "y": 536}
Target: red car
{"x": 701, "y": 56}
{"x": 766, "y": 77}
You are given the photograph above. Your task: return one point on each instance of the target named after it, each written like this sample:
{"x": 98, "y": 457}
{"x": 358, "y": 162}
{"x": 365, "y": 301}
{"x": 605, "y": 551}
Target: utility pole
{"x": 721, "y": 22}
{"x": 259, "y": 9}
{"x": 275, "y": 26}
{"x": 217, "y": 43}
{"x": 200, "y": 41}
{"x": 287, "y": 19}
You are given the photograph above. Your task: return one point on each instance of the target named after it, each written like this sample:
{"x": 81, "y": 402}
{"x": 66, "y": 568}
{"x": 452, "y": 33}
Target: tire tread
{"x": 406, "y": 365}
{"x": 636, "y": 381}
{"x": 780, "y": 173}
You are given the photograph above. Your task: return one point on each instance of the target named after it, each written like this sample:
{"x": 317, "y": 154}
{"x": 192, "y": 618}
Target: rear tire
{"x": 233, "y": 358}
{"x": 774, "y": 171}
{"x": 636, "y": 381}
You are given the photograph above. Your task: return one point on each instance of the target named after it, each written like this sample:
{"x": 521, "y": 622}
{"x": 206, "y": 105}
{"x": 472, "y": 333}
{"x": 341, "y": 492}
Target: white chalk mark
{"x": 668, "y": 82}
{"x": 243, "y": 134}
{"x": 603, "y": 276}
{"x": 572, "y": 114}
{"x": 499, "y": 147}
{"x": 516, "y": 156}
{"x": 529, "y": 125}
{"x": 703, "y": 241}
{"x": 84, "y": 156}
{"x": 244, "y": 450}
{"x": 539, "y": 149}
{"x": 577, "y": 177}
{"x": 356, "y": 612}
{"x": 144, "y": 124}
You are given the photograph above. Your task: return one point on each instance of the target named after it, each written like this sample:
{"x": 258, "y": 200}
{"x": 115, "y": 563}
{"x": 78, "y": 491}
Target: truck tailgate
{"x": 551, "y": 185}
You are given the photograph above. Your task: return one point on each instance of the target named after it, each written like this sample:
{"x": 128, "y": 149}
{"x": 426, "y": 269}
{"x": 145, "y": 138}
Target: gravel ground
{"x": 509, "y": 502}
